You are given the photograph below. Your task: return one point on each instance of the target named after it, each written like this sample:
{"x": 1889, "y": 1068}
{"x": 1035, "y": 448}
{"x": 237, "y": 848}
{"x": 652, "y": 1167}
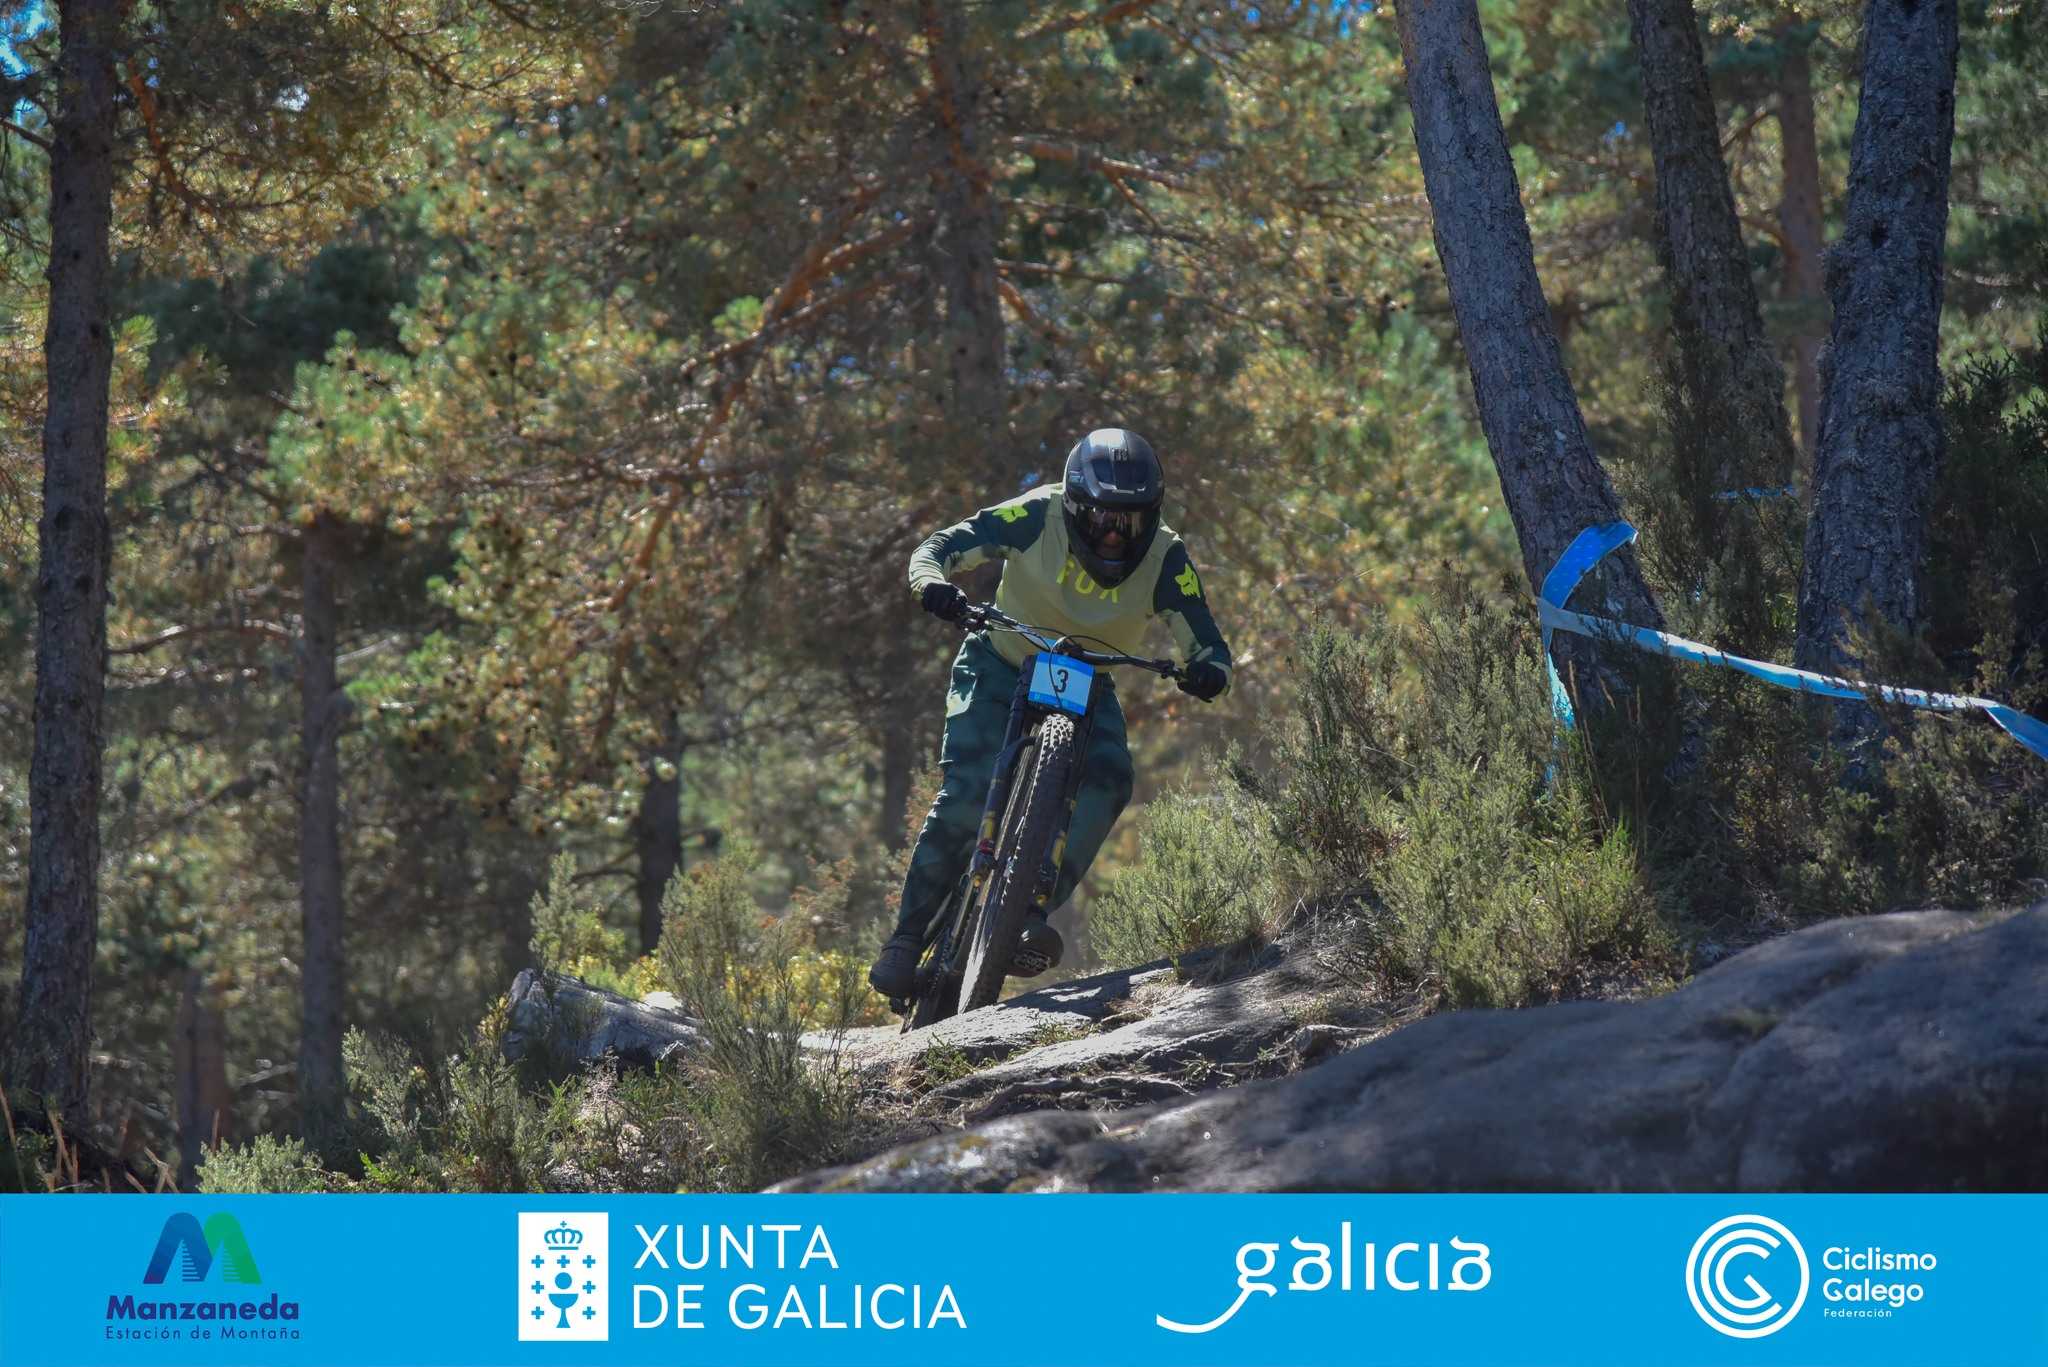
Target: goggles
{"x": 1130, "y": 523}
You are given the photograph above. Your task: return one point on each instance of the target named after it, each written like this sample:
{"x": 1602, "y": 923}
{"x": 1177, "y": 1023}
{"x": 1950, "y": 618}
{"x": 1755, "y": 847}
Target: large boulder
{"x": 1906, "y": 1052}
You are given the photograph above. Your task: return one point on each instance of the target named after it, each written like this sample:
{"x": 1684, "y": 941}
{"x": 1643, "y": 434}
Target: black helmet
{"x": 1113, "y": 489}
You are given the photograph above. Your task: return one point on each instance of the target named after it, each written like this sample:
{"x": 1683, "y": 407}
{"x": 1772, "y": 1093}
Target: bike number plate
{"x": 1058, "y": 681}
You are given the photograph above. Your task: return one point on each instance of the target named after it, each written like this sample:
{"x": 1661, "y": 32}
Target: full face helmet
{"x": 1113, "y": 490}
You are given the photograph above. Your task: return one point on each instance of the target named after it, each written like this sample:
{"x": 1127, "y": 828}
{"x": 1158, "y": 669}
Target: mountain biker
{"x": 1087, "y": 558}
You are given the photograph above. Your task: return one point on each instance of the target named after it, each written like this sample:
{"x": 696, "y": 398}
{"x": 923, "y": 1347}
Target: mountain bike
{"x": 970, "y": 944}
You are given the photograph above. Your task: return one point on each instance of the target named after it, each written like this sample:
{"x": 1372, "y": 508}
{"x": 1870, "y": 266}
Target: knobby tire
{"x": 1021, "y": 849}
{"x": 942, "y": 998}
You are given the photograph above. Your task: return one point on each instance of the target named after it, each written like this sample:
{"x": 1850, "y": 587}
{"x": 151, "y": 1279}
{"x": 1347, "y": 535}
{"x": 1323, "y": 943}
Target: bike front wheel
{"x": 1021, "y": 850}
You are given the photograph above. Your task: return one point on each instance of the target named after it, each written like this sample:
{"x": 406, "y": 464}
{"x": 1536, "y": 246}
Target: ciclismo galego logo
{"x": 1767, "y": 1267}
{"x": 1748, "y": 1276}
{"x": 201, "y": 1284}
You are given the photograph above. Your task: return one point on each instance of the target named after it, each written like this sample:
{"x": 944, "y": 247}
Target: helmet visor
{"x": 1126, "y": 525}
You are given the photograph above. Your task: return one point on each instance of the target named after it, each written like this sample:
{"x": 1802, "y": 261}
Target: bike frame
{"x": 1025, "y": 717}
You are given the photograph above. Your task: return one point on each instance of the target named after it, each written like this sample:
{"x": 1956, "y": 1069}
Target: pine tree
{"x": 1729, "y": 378}
{"x": 1554, "y": 484}
{"x": 54, "y": 1010}
{"x": 1881, "y": 428}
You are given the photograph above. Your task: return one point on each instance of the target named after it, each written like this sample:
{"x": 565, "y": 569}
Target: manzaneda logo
{"x": 221, "y": 1238}
{"x": 190, "y": 1252}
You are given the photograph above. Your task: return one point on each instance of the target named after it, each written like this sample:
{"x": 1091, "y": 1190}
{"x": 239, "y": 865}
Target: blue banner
{"x": 1595, "y": 544}
{"x": 997, "y": 1281}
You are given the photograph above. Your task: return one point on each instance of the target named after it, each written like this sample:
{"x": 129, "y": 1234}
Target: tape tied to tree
{"x": 1598, "y": 542}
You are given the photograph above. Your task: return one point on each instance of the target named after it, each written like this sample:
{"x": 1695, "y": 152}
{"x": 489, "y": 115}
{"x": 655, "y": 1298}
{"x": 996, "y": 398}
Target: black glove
{"x": 944, "y": 601}
{"x": 1204, "y": 680}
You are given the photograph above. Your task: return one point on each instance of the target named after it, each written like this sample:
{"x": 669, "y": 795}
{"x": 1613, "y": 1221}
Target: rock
{"x": 1113, "y": 1040}
{"x": 1013, "y": 1026}
{"x": 561, "y": 1024}
{"x": 1906, "y": 1052}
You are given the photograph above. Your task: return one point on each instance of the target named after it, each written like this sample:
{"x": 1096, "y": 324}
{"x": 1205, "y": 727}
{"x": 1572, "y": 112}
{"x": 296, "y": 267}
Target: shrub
{"x": 570, "y": 935}
{"x": 29, "y": 1162}
{"x": 264, "y": 1164}
{"x": 763, "y": 1105}
{"x": 1203, "y": 878}
{"x": 1450, "y": 836}
{"x": 1498, "y": 900}
{"x": 468, "y": 1126}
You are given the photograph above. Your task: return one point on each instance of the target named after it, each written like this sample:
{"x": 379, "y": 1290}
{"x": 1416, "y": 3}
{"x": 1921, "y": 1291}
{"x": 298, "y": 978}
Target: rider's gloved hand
{"x": 944, "y": 601}
{"x": 1204, "y": 680}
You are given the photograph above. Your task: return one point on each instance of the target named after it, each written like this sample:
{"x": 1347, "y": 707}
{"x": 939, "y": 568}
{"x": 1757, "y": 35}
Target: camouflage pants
{"x": 977, "y": 714}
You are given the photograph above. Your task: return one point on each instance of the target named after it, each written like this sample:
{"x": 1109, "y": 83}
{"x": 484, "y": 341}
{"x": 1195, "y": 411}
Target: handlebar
{"x": 989, "y": 617}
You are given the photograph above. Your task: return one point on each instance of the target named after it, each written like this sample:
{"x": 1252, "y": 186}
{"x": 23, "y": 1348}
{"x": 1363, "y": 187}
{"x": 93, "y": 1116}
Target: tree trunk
{"x": 322, "y": 707}
{"x": 1553, "y": 484}
{"x": 1799, "y": 215}
{"x": 53, "y": 1032}
{"x": 898, "y": 718}
{"x": 965, "y": 245}
{"x": 1880, "y": 430}
{"x": 1733, "y": 386}
{"x": 205, "y": 1103}
{"x": 658, "y": 836}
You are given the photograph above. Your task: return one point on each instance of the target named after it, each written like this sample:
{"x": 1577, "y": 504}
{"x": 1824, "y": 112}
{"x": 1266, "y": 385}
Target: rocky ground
{"x": 1899, "y": 1052}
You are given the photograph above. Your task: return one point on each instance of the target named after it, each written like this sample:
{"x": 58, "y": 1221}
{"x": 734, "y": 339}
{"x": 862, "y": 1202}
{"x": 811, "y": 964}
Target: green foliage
{"x": 1502, "y": 899}
{"x": 266, "y": 1164}
{"x": 942, "y": 1062}
{"x": 1203, "y": 878}
{"x": 1410, "y": 798}
{"x": 467, "y": 1126}
{"x": 1986, "y": 581}
{"x": 1768, "y": 833}
{"x": 569, "y": 931}
{"x": 28, "y": 1163}
{"x": 764, "y": 1105}
{"x": 1727, "y": 566}
{"x": 1765, "y": 832}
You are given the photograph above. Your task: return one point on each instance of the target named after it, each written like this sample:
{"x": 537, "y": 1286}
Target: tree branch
{"x": 145, "y": 101}
{"x": 811, "y": 267}
{"x": 1089, "y": 160}
{"x": 11, "y": 126}
{"x": 1124, "y": 9}
{"x": 163, "y": 638}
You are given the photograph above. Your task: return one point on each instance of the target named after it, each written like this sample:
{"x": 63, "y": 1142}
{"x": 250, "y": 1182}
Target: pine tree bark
{"x": 322, "y": 709}
{"x": 1733, "y": 382}
{"x": 1553, "y": 484}
{"x": 964, "y": 243}
{"x": 658, "y": 836}
{"x": 899, "y": 713}
{"x": 1799, "y": 217}
{"x": 1880, "y": 431}
{"x": 205, "y": 1102}
{"x": 53, "y": 1033}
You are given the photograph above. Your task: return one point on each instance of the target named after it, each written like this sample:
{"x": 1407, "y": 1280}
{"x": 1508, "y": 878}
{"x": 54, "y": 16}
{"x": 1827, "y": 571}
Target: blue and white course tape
{"x": 1597, "y": 543}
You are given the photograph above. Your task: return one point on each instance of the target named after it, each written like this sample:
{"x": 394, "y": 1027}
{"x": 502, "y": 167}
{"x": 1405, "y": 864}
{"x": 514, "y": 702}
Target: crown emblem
{"x": 561, "y": 1236}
